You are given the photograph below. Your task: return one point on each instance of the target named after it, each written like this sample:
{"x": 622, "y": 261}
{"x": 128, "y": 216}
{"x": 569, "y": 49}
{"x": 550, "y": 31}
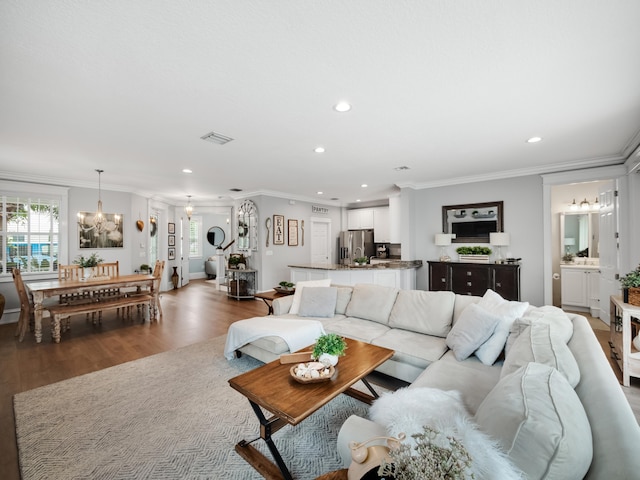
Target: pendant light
{"x": 98, "y": 218}
{"x": 189, "y": 208}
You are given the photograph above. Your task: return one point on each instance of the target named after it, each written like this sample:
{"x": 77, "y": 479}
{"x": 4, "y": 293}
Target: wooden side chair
{"x": 107, "y": 269}
{"x": 158, "y": 271}
{"x": 27, "y": 318}
{"x": 69, "y": 272}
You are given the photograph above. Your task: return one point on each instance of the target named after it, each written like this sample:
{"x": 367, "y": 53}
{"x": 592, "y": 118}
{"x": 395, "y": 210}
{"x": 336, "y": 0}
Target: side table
{"x": 269, "y": 297}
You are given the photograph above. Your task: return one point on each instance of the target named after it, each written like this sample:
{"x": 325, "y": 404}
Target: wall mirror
{"x": 580, "y": 234}
{"x": 215, "y": 236}
{"x": 247, "y": 231}
{"x": 472, "y": 222}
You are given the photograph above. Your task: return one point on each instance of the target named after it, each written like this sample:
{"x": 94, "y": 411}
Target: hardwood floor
{"x": 192, "y": 314}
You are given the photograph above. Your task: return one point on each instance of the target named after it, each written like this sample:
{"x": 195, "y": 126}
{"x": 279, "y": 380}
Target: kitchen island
{"x": 399, "y": 274}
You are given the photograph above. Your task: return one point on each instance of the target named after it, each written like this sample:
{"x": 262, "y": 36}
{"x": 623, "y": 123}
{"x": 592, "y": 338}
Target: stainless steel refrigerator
{"x": 354, "y": 244}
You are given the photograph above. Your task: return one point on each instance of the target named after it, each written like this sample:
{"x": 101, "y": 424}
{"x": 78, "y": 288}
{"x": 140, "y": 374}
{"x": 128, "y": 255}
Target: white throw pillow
{"x": 407, "y": 410}
{"x": 472, "y": 329}
{"x": 508, "y": 311}
{"x": 297, "y": 296}
{"x": 540, "y": 422}
{"x": 537, "y": 343}
{"x": 561, "y": 325}
{"x": 318, "y": 302}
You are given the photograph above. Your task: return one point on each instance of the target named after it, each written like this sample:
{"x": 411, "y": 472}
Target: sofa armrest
{"x": 282, "y": 305}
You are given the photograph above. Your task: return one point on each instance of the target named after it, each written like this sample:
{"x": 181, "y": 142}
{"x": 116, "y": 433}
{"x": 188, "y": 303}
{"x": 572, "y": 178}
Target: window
{"x": 195, "y": 237}
{"x": 29, "y": 233}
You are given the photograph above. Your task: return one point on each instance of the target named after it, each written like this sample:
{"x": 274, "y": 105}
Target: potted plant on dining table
{"x": 88, "y": 263}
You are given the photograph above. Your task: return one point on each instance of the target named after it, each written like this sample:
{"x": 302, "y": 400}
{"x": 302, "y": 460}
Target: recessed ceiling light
{"x": 342, "y": 107}
{"x": 357, "y": 200}
{"x": 319, "y": 149}
{"x": 534, "y": 140}
{"x": 215, "y": 137}
{"x": 320, "y": 193}
{"x": 187, "y": 170}
{"x": 364, "y": 185}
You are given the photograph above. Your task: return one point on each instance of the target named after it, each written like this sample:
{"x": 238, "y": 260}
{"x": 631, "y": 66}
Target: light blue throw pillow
{"x": 318, "y": 302}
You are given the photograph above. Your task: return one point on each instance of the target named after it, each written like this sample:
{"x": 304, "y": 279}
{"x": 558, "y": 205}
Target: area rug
{"x": 171, "y": 415}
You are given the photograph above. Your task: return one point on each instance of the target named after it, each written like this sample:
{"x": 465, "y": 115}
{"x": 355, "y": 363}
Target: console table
{"x": 476, "y": 278}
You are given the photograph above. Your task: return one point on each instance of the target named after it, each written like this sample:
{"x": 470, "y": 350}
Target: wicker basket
{"x": 634, "y": 296}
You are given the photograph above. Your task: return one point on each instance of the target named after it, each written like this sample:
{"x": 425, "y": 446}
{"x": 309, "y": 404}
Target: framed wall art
{"x": 278, "y": 229}
{"x": 292, "y": 227}
{"x": 172, "y": 254}
{"x": 172, "y": 229}
{"x": 106, "y": 234}
{"x": 172, "y": 240}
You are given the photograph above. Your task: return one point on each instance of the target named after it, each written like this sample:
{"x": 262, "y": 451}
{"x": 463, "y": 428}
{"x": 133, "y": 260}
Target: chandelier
{"x": 98, "y": 223}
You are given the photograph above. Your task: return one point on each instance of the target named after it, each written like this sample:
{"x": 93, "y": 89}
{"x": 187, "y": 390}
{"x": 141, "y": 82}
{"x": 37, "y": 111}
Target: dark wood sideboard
{"x": 476, "y": 278}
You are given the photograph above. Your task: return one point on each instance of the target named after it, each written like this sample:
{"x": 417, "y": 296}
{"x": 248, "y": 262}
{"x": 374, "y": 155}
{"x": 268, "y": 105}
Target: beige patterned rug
{"x": 171, "y": 415}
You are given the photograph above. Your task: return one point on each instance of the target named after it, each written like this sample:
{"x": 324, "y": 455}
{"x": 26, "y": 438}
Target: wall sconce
{"x": 499, "y": 239}
{"x": 443, "y": 240}
{"x": 573, "y": 206}
{"x": 585, "y": 205}
{"x": 189, "y": 208}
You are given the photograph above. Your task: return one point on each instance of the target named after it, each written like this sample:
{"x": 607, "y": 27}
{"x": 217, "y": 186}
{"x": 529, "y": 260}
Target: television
{"x": 477, "y": 230}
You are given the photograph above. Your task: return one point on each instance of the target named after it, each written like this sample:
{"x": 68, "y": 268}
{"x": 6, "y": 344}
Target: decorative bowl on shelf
{"x": 284, "y": 290}
{"x": 311, "y": 372}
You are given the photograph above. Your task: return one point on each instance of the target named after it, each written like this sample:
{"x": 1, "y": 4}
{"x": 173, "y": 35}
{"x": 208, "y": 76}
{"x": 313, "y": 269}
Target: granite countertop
{"x": 393, "y": 265}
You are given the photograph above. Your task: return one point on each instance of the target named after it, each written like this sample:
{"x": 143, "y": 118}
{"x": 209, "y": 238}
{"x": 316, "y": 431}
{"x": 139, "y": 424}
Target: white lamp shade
{"x": 569, "y": 241}
{"x": 499, "y": 239}
{"x": 443, "y": 239}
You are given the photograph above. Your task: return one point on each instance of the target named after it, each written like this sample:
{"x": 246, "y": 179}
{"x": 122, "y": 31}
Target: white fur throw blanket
{"x": 407, "y": 410}
{"x": 296, "y": 333}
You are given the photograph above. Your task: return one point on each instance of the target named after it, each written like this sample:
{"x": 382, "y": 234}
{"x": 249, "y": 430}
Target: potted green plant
{"x": 568, "y": 258}
{"x": 474, "y": 254}
{"x": 286, "y": 286}
{"x": 144, "y": 268}
{"x": 631, "y": 287}
{"x": 328, "y": 348}
{"x": 88, "y": 263}
{"x": 360, "y": 260}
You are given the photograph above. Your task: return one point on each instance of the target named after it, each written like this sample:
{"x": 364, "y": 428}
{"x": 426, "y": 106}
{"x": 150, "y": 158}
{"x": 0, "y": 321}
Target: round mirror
{"x": 215, "y": 236}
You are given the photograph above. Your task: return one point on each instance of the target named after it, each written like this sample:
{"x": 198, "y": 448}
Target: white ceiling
{"x": 450, "y": 89}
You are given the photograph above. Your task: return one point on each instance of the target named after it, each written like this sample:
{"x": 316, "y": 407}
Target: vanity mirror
{"x": 247, "y": 231}
{"x": 580, "y": 234}
{"x": 472, "y": 222}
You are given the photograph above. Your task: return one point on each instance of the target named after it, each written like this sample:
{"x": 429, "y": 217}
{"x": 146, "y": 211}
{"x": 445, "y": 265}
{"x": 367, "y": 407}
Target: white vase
{"x": 636, "y": 342}
{"x": 87, "y": 272}
{"x": 328, "y": 359}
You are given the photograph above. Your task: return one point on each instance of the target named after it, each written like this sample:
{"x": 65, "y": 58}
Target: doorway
{"x": 321, "y": 240}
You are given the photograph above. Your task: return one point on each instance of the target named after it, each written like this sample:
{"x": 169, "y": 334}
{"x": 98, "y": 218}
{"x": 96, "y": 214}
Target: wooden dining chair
{"x": 26, "y": 318}
{"x": 158, "y": 270}
{"x": 111, "y": 270}
{"x": 69, "y": 272}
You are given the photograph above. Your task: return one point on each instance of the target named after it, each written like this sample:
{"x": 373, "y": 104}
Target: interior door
{"x": 609, "y": 249}
{"x": 320, "y": 240}
{"x": 184, "y": 251}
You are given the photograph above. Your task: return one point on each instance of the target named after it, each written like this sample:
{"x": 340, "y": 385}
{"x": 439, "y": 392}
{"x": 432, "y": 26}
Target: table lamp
{"x": 499, "y": 239}
{"x": 443, "y": 240}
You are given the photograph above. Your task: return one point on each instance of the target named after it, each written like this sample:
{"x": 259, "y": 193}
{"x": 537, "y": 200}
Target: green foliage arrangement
{"x": 285, "y": 284}
{"x": 330, "y": 343}
{"x": 437, "y": 457}
{"x": 362, "y": 260}
{"x": 568, "y": 257}
{"x": 631, "y": 279}
{"x": 91, "y": 261}
{"x": 473, "y": 250}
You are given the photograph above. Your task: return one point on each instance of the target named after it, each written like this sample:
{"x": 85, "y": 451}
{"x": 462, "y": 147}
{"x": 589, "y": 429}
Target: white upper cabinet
{"x": 394, "y": 219}
{"x": 360, "y": 218}
{"x": 381, "y": 232}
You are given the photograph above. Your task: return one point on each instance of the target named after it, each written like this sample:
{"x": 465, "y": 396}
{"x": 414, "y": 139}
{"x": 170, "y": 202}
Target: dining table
{"x": 43, "y": 289}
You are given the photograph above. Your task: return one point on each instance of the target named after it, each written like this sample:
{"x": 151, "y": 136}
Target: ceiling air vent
{"x": 218, "y": 138}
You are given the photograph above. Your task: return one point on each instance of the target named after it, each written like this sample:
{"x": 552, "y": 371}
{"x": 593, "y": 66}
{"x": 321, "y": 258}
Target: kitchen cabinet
{"x": 394, "y": 220}
{"x": 475, "y": 278}
{"x": 381, "y": 225}
{"x": 580, "y": 288}
{"x": 360, "y": 218}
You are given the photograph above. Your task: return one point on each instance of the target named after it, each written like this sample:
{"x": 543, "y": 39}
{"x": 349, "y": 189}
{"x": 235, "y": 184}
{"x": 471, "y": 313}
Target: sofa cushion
{"x": 430, "y": 313}
{"x": 473, "y": 379}
{"x": 318, "y": 302}
{"x": 556, "y": 318}
{"x": 508, "y": 311}
{"x": 297, "y": 296}
{"x": 356, "y": 328}
{"x": 344, "y": 297}
{"x": 539, "y": 344}
{"x": 538, "y": 419}
{"x": 372, "y": 302}
{"x": 472, "y": 329}
{"x": 462, "y": 302}
{"x": 411, "y": 347}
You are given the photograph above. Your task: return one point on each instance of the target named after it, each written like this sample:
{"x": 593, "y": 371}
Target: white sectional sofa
{"x": 591, "y": 433}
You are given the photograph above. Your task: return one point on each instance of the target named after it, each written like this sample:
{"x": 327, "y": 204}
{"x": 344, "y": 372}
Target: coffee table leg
{"x": 255, "y": 457}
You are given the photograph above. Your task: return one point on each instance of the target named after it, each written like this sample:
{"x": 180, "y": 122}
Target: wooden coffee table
{"x": 272, "y": 388}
